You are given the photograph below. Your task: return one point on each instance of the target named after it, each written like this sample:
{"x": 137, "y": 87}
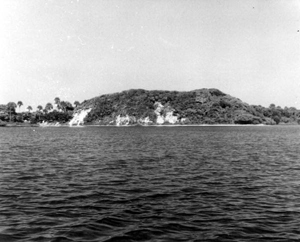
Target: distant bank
{"x": 143, "y": 107}
{"x": 197, "y": 107}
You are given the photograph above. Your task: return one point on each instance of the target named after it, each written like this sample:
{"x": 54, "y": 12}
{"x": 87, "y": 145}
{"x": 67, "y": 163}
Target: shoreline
{"x": 52, "y": 125}
{"x": 18, "y": 125}
{"x": 175, "y": 125}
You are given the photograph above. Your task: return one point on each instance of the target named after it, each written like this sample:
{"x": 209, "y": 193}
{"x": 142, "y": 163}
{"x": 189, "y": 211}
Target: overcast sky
{"x": 80, "y": 49}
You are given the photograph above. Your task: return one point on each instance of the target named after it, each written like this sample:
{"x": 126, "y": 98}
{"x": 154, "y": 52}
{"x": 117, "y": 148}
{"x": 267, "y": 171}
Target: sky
{"x": 79, "y": 49}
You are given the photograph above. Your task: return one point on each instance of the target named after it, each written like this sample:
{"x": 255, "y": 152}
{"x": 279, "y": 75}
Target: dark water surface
{"x": 150, "y": 184}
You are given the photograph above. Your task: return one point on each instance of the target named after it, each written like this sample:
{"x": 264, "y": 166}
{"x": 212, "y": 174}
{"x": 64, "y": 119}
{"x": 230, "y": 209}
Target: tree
{"x": 19, "y": 104}
{"x": 76, "y": 103}
{"x": 29, "y": 108}
{"x": 57, "y": 102}
{"x": 11, "y": 106}
{"x": 40, "y": 107}
{"x": 63, "y": 105}
{"x": 276, "y": 119}
{"x": 272, "y": 106}
{"x": 48, "y": 107}
{"x": 66, "y": 106}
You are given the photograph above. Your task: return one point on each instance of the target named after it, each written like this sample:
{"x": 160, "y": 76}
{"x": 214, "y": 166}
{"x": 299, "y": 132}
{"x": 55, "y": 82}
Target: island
{"x": 156, "y": 107}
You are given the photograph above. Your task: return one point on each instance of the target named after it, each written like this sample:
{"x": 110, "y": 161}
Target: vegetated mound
{"x": 201, "y": 106}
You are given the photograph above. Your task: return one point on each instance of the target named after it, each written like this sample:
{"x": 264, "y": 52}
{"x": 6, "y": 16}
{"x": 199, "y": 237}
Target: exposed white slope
{"x": 120, "y": 121}
{"x": 145, "y": 121}
{"x": 79, "y": 117}
{"x": 164, "y": 114}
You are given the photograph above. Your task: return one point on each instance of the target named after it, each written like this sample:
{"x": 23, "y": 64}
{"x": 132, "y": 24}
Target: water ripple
{"x": 150, "y": 184}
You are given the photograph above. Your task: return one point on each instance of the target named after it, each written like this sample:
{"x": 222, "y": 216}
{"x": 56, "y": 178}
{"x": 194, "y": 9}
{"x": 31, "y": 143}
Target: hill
{"x": 202, "y": 106}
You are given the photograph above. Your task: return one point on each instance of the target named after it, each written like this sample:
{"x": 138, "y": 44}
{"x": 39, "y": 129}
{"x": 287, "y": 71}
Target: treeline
{"x": 61, "y": 111}
{"x": 203, "y": 106}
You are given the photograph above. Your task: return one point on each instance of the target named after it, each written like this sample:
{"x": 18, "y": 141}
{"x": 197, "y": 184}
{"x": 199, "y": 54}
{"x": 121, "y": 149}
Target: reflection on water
{"x": 150, "y": 184}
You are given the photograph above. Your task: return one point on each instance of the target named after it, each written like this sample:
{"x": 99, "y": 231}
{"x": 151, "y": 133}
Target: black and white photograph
{"x": 149, "y": 120}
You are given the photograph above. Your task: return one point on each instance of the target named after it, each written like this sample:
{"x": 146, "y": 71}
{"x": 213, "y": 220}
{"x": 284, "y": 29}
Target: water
{"x": 150, "y": 184}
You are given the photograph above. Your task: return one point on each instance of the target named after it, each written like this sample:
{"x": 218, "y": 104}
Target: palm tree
{"x": 76, "y": 103}
{"x": 11, "y": 106}
{"x": 57, "y": 102}
{"x": 63, "y": 105}
{"x": 29, "y": 108}
{"x": 40, "y": 107}
{"x": 19, "y": 104}
{"x": 48, "y": 106}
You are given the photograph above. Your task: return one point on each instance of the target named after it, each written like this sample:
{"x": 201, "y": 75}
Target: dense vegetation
{"x": 203, "y": 106}
{"x": 62, "y": 114}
